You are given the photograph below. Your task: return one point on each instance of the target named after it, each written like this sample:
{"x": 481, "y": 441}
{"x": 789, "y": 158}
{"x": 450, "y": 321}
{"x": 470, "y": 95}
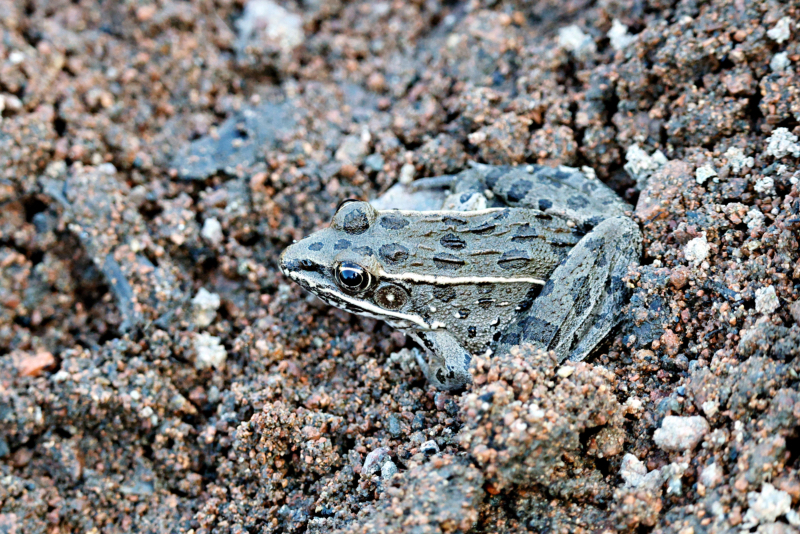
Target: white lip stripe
{"x": 458, "y": 280}
{"x": 416, "y": 319}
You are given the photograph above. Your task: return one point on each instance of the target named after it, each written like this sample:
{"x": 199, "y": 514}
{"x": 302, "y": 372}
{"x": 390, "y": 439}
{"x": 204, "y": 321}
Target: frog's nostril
{"x": 288, "y": 266}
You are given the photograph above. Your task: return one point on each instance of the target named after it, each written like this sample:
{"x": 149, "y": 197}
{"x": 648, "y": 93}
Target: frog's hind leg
{"x": 581, "y": 301}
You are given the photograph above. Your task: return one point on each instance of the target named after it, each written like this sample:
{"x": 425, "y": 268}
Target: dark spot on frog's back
{"x": 514, "y": 259}
{"x": 495, "y": 174}
{"x": 393, "y": 221}
{"x": 518, "y": 190}
{"x": 356, "y": 222}
{"x": 342, "y": 244}
{"x": 563, "y": 175}
{"x": 472, "y": 331}
{"x": 453, "y": 242}
{"x": 455, "y": 221}
{"x": 364, "y": 251}
{"x": 483, "y": 229}
{"x": 393, "y": 252}
{"x": 444, "y": 293}
{"x": 446, "y": 261}
{"x": 315, "y": 246}
{"x": 525, "y": 233}
{"x": 577, "y": 202}
{"x": 545, "y": 204}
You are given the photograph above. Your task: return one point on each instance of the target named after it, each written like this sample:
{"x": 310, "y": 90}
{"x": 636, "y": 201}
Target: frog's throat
{"x": 459, "y": 280}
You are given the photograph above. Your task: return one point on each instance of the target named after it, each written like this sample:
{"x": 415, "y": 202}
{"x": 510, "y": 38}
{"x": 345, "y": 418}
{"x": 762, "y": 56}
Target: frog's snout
{"x": 292, "y": 262}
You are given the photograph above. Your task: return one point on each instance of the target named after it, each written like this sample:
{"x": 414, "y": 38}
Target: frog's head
{"x": 339, "y": 264}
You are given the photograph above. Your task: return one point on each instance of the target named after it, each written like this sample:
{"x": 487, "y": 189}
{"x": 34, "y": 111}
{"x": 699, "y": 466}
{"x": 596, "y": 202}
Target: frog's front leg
{"x": 447, "y": 364}
{"x": 581, "y": 301}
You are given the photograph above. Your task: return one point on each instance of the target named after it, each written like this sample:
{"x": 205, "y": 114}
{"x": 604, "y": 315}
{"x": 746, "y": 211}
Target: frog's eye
{"x": 344, "y": 202}
{"x": 352, "y": 277}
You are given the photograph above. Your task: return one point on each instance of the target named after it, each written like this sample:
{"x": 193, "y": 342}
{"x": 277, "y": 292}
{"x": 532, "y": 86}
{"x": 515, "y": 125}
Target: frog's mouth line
{"x": 341, "y": 300}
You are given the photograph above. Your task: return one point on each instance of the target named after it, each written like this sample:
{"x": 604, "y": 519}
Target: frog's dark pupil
{"x": 352, "y": 276}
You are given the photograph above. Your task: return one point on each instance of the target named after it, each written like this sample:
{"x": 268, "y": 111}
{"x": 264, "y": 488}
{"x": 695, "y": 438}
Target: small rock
{"x": 781, "y": 31}
{"x": 794, "y": 309}
{"x": 710, "y": 408}
{"x": 640, "y": 166}
{"x": 632, "y": 470}
{"x": 766, "y": 300}
{"x": 737, "y": 160}
{"x": 278, "y": 24}
{"x": 765, "y": 185}
{"x": 204, "y": 307}
{"x": 388, "y": 470}
{"x": 779, "y": 62}
{"x": 711, "y": 476}
{"x": 781, "y": 143}
{"x": 212, "y": 231}
{"x": 393, "y": 426}
{"x": 429, "y": 448}
{"x": 702, "y": 174}
{"x": 754, "y": 218}
{"x": 673, "y": 473}
{"x": 572, "y": 39}
{"x": 680, "y": 433}
{"x": 209, "y": 352}
{"x": 768, "y": 505}
{"x": 374, "y": 162}
{"x": 407, "y": 172}
{"x": 34, "y": 365}
{"x": 696, "y": 250}
{"x": 352, "y": 150}
{"x": 374, "y": 460}
{"x": 565, "y": 371}
{"x": 618, "y": 35}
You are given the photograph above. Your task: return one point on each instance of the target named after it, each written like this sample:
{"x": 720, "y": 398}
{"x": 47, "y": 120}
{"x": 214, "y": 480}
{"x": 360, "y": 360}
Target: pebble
{"x": 573, "y": 39}
{"x": 209, "y": 352}
{"x": 767, "y": 506}
{"x": 711, "y": 475}
{"x": 632, "y": 470}
{"x": 373, "y": 461}
{"x": 212, "y": 231}
{"x": 429, "y": 448}
{"x": 766, "y": 300}
{"x": 680, "y": 433}
{"x": 34, "y": 365}
{"x": 779, "y": 62}
{"x": 204, "y": 307}
{"x": 737, "y": 160}
{"x": 696, "y": 250}
{"x": 781, "y": 31}
{"x": 702, "y": 174}
{"x": 618, "y": 35}
{"x": 280, "y": 25}
{"x": 388, "y": 470}
{"x": 781, "y": 143}
{"x": 640, "y": 165}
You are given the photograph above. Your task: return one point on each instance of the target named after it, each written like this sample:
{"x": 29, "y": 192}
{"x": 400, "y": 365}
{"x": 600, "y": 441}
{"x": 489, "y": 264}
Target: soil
{"x": 158, "y": 374}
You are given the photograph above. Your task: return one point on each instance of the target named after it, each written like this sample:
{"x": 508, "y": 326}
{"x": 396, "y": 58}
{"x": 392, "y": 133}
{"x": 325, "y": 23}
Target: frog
{"x": 515, "y": 254}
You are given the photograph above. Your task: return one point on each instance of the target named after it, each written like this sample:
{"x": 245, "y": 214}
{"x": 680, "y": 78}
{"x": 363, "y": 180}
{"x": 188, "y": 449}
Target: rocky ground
{"x": 157, "y": 373}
